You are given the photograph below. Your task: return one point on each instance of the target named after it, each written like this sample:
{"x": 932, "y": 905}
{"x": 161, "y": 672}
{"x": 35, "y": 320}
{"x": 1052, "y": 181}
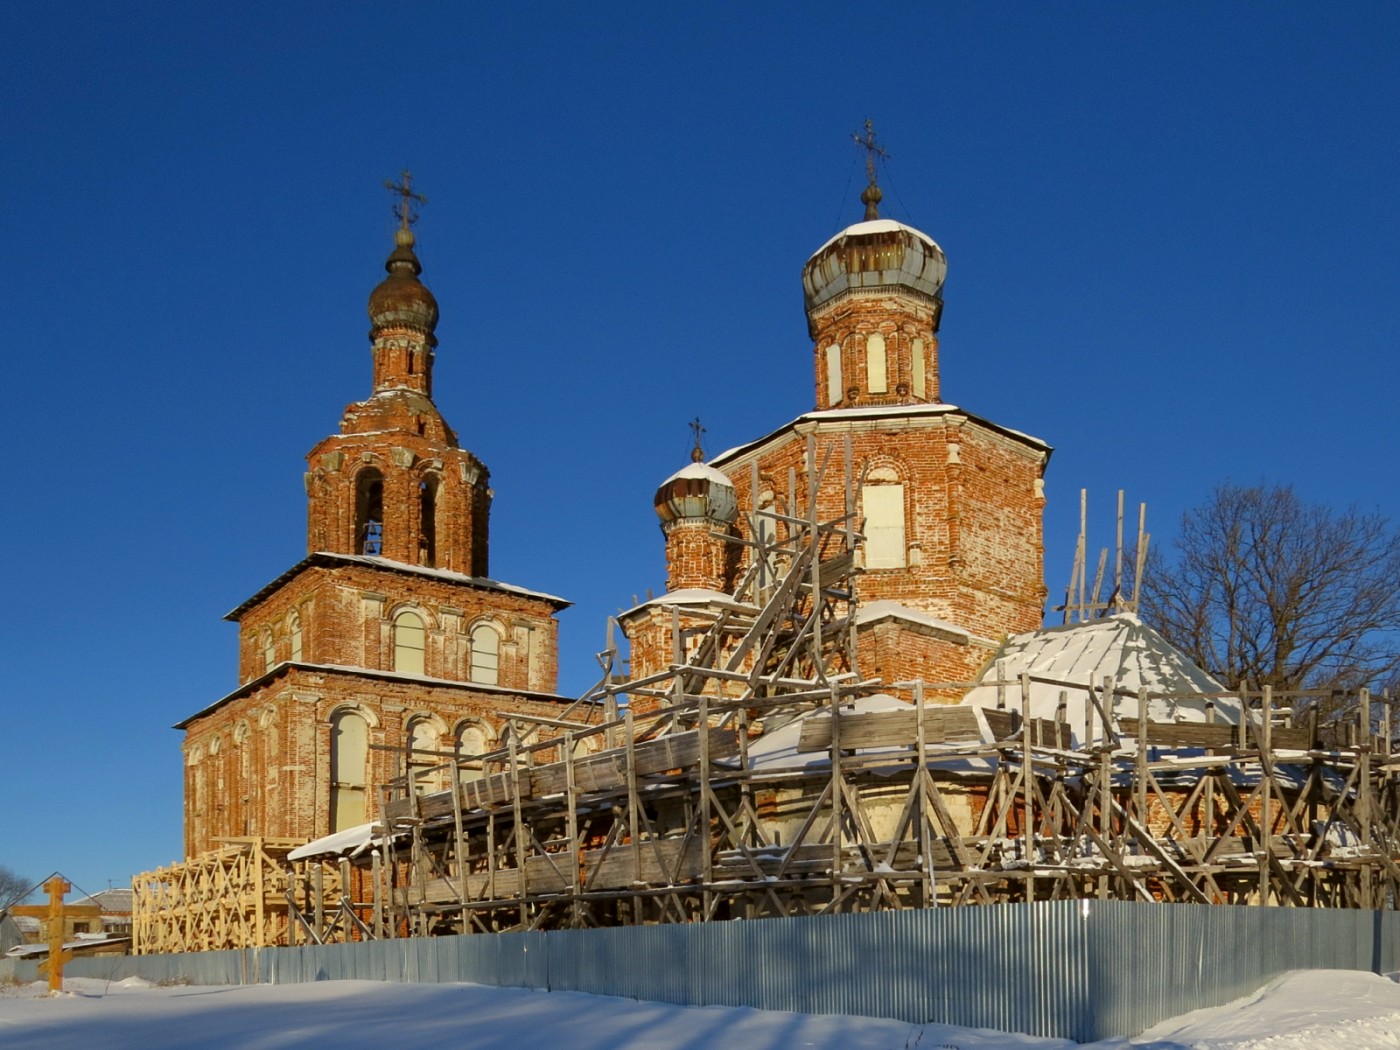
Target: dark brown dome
{"x": 401, "y": 300}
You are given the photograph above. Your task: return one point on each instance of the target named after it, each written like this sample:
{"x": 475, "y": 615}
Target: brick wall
{"x": 907, "y": 325}
{"x": 260, "y": 763}
{"x": 407, "y": 462}
{"x": 973, "y": 510}
{"x": 347, "y": 615}
{"x": 697, "y": 558}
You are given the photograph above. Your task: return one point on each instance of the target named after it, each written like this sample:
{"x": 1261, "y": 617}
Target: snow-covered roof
{"x": 327, "y": 558}
{"x": 888, "y": 609}
{"x": 84, "y": 942}
{"x": 703, "y": 471}
{"x": 872, "y": 226}
{"x": 777, "y": 750}
{"x": 691, "y": 596}
{"x": 287, "y": 666}
{"x": 1122, "y": 646}
{"x": 840, "y": 415}
{"x": 116, "y": 900}
{"x": 348, "y": 843}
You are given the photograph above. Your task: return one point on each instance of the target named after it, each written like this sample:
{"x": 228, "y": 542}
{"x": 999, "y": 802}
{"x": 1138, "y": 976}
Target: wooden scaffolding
{"x": 760, "y": 775}
{"x": 245, "y": 894}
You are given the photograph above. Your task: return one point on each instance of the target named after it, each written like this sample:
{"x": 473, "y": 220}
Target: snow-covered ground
{"x": 1317, "y": 1010}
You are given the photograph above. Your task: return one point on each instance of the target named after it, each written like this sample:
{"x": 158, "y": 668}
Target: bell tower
{"x": 387, "y": 646}
{"x": 394, "y": 483}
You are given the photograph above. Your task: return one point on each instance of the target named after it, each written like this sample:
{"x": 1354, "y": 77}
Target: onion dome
{"x": 696, "y": 493}
{"x": 877, "y": 254}
{"x": 401, "y": 300}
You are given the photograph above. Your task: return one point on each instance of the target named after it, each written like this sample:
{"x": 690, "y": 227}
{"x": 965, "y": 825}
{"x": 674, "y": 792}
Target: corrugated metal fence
{"x": 1081, "y": 970}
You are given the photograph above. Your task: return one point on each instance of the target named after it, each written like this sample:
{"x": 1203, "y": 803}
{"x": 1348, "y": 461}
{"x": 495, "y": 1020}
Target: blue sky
{"x": 1171, "y": 234}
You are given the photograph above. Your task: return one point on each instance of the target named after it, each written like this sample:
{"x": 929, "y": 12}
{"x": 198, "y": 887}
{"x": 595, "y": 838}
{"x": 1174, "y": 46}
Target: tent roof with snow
{"x": 1059, "y": 659}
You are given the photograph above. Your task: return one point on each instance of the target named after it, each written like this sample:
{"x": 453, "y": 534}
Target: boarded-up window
{"x": 884, "y": 525}
{"x": 422, "y": 738}
{"x": 349, "y": 749}
{"x": 875, "y": 363}
{"x": 486, "y": 655}
{"x": 920, "y": 377}
{"x": 294, "y": 634}
{"x": 408, "y": 643}
{"x": 833, "y": 374}
{"x": 585, "y": 746}
{"x": 471, "y": 744}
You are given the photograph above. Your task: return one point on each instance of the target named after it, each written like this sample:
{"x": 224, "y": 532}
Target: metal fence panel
{"x": 1074, "y": 969}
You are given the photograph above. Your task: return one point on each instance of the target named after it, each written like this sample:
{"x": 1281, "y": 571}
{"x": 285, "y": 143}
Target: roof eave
{"x": 286, "y": 666}
{"x": 820, "y": 416}
{"x": 328, "y": 559}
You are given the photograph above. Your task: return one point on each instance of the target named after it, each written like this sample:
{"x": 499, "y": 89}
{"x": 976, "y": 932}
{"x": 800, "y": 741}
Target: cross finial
{"x": 403, "y": 208}
{"x": 871, "y": 195}
{"x": 697, "y": 454}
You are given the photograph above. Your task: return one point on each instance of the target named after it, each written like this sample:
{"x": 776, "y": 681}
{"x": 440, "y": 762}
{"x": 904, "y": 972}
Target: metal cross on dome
{"x": 404, "y": 190}
{"x": 871, "y": 147}
{"x": 697, "y": 454}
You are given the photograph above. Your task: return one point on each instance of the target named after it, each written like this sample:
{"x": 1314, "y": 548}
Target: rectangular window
{"x": 486, "y": 656}
{"x": 875, "y": 363}
{"x": 920, "y": 387}
{"x": 833, "y": 374}
{"x": 884, "y": 526}
{"x": 409, "y": 643}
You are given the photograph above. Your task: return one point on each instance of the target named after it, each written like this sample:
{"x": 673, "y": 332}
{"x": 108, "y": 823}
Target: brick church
{"x": 950, "y": 504}
{"x": 390, "y": 634}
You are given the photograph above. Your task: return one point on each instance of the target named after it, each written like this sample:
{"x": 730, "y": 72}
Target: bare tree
{"x": 1267, "y": 589}
{"x": 14, "y": 888}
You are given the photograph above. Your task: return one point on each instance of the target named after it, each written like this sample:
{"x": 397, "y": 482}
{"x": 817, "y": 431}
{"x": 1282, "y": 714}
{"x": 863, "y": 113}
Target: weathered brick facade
{"x": 258, "y": 762}
{"x": 347, "y": 606}
{"x": 387, "y": 634}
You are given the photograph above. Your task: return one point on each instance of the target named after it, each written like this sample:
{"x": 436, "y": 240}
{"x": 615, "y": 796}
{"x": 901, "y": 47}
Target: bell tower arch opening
{"x": 369, "y": 512}
{"x": 427, "y": 520}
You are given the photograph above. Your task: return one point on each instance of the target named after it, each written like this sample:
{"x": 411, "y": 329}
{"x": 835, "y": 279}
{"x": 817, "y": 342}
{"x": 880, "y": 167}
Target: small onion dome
{"x": 401, "y": 300}
{"x": 878, "y": 253}
{"x": 696, "y": 493}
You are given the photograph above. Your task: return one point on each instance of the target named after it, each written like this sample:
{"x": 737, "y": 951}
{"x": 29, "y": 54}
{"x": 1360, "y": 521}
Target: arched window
{"x": 472, "y": 742}
{"x": 409, "y": 643}
{"x": 876, "y": 373}
{"x": 486, "y": 655}
{"x": 243, "y": 795}
{"x": 349, "y": 787}
{"x": 427, "y": 520}
{"x": 882, "y": 502}
{"x": 920, "y": 375}
{"x": 269, "y": 648}
{"x": 369, "y": 512}
{"x": 765, "y": 533}
{"x": 294, "y": 634}
{"x": 198, "y": 804}
{"x": 585, "y": 746}
{"x": 833, "y": 374}
{"x": 423, "y": 737}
